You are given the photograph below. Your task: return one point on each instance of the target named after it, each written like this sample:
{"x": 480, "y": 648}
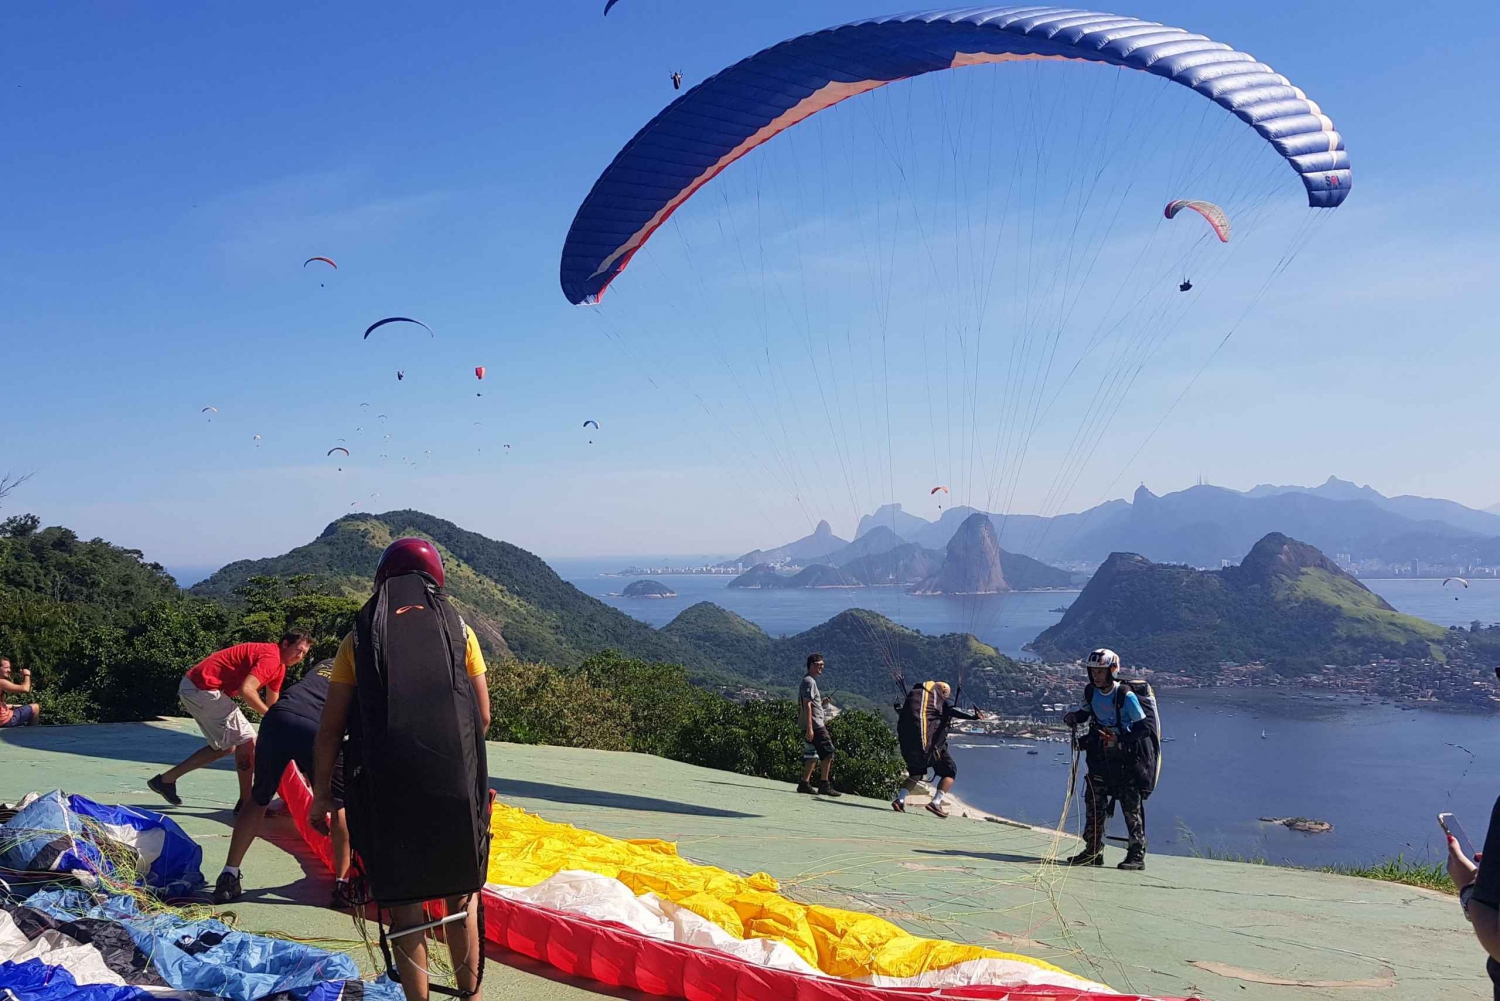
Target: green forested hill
{"x": 864, "y": 651}
{"x": 1286, "y": 605}
{"x": 516, "y": 603}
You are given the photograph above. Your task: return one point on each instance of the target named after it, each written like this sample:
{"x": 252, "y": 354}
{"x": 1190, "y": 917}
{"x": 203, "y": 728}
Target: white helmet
{"x": 1106, "y": 658}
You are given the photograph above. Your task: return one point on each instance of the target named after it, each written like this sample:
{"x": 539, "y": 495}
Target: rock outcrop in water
{"x": 972, "y": 564}
{"x": 649, "y": 589}
{"x": 1302, "y": 824}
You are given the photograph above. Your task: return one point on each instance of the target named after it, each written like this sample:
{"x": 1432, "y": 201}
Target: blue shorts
{"x": 19, "y": 716}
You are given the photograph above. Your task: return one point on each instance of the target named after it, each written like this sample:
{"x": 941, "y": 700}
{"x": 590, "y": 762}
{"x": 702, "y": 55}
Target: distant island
{"x": 648, "y": 589}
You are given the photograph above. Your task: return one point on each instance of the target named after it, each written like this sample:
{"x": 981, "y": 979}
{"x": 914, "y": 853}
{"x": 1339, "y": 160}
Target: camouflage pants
{"x": 1097, "y": 791}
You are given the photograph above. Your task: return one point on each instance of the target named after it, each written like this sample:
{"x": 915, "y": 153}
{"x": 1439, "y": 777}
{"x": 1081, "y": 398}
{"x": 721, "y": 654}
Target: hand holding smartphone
{"x": 1455, "y": 830}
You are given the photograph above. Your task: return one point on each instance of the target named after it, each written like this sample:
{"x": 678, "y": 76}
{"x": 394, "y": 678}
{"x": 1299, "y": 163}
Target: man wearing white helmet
{"x": 1113, "y": 713}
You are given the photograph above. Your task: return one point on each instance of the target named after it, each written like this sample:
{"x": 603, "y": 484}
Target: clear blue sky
{"x": 165, "y": 170}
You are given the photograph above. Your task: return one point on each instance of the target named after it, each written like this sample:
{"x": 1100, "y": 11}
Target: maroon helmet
{"x": 406, "y": 556}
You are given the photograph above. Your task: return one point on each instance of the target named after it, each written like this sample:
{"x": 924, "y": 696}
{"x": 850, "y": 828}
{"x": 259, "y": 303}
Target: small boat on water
{"x": 1033, "y": 752}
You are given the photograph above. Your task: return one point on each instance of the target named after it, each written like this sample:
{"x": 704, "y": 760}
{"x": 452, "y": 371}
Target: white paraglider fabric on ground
{"x": 598, "y": 897}
{"x": 84, "y": 962}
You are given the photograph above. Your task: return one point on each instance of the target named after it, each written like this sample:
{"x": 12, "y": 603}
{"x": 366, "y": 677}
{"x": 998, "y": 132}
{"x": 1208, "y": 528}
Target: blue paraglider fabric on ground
{"x": 96, "y": 944}
{"x": 35, "y": 980}
{"x": 210, "y": 957}
{"x": 56, "y": 836}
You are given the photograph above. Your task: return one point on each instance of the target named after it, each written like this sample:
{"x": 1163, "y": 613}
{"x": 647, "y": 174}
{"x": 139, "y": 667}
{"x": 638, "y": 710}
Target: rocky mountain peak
{"x": 972, "y": 564}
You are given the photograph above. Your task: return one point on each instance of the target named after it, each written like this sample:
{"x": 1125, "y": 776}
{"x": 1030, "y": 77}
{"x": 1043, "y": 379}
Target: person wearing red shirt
{"x": 208, "y": 692}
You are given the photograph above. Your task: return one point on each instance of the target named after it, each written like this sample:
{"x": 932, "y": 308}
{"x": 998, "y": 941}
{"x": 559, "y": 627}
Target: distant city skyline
{"x": 164, "y": 187}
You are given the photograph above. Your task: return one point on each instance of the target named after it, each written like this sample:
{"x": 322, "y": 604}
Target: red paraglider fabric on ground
{"x": 617, "y": 956}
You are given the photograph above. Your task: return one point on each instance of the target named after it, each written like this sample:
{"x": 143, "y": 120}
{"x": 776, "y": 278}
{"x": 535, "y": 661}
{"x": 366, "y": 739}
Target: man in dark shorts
{"x": 288, "y": 734}
{"x": 1478, "y": 882}
{"x": 814, "y": 718}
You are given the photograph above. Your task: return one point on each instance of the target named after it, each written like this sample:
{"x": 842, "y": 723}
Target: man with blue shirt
{"x": 1114, "y": 715}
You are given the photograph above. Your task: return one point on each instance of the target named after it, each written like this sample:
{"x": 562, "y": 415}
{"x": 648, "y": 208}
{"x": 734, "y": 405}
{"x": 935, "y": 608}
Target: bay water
{"x": 1377, "y": 771}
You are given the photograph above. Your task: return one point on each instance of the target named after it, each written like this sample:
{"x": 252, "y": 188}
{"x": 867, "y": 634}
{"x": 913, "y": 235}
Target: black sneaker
{"x": 1135, "y": 861}
{"x": 936, "y": 809}
{"x": 899, "y": 805}
{"x": 829, "y": 791}
{"x": 1086, "y": 857}
{"x": 166, "y": 790}
{"x": 227, "y": 890}
{"x": 804, "y": 787}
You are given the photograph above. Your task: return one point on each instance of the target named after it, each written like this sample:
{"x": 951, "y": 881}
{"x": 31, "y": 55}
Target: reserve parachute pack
{"x": 416, "y": 778}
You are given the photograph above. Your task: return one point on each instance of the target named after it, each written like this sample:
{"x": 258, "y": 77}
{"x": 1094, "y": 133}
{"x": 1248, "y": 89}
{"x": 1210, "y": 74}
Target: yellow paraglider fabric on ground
{"x": 527, "y": 850}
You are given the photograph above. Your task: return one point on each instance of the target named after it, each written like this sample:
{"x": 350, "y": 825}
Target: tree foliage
{"x": 614, "y": 703}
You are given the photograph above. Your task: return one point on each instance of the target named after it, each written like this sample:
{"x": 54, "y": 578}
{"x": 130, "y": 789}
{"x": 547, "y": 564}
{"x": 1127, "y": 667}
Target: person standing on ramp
{"x": 1122, "y": 749}
{"x": 408, "y": 687}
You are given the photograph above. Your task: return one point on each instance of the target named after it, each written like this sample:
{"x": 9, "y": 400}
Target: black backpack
{"x": 416, "y": 778}
{"x": 1143, "y": 742}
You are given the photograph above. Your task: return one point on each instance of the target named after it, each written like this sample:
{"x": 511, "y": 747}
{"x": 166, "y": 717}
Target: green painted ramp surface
{"x": 1185, "y": 926}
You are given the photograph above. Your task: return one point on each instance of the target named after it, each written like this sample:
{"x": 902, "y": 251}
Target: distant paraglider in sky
{"x": 256, "y": 438}
{"x": 326, "y": 260}
{"x": 591, "y": 424}
{"x": 396, "y": 319}
{"x": 1217, "y": 218}
{"x": 1459, "y": 580}
{"x": 479, "y": 374}
{"x": 400, "y": 375}
{"x": 337, "y": 448}
{"x": 934, "y": 491}
{"x": 208, "y": 410}
{"x": 677, "y": 80}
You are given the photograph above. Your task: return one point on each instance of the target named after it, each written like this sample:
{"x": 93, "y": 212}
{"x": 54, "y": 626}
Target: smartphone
{"x": 1453, "y": 828}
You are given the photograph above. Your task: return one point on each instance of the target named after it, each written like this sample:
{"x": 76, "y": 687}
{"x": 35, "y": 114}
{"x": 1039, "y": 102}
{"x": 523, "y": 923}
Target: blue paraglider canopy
{"x": 732, "y": 112}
